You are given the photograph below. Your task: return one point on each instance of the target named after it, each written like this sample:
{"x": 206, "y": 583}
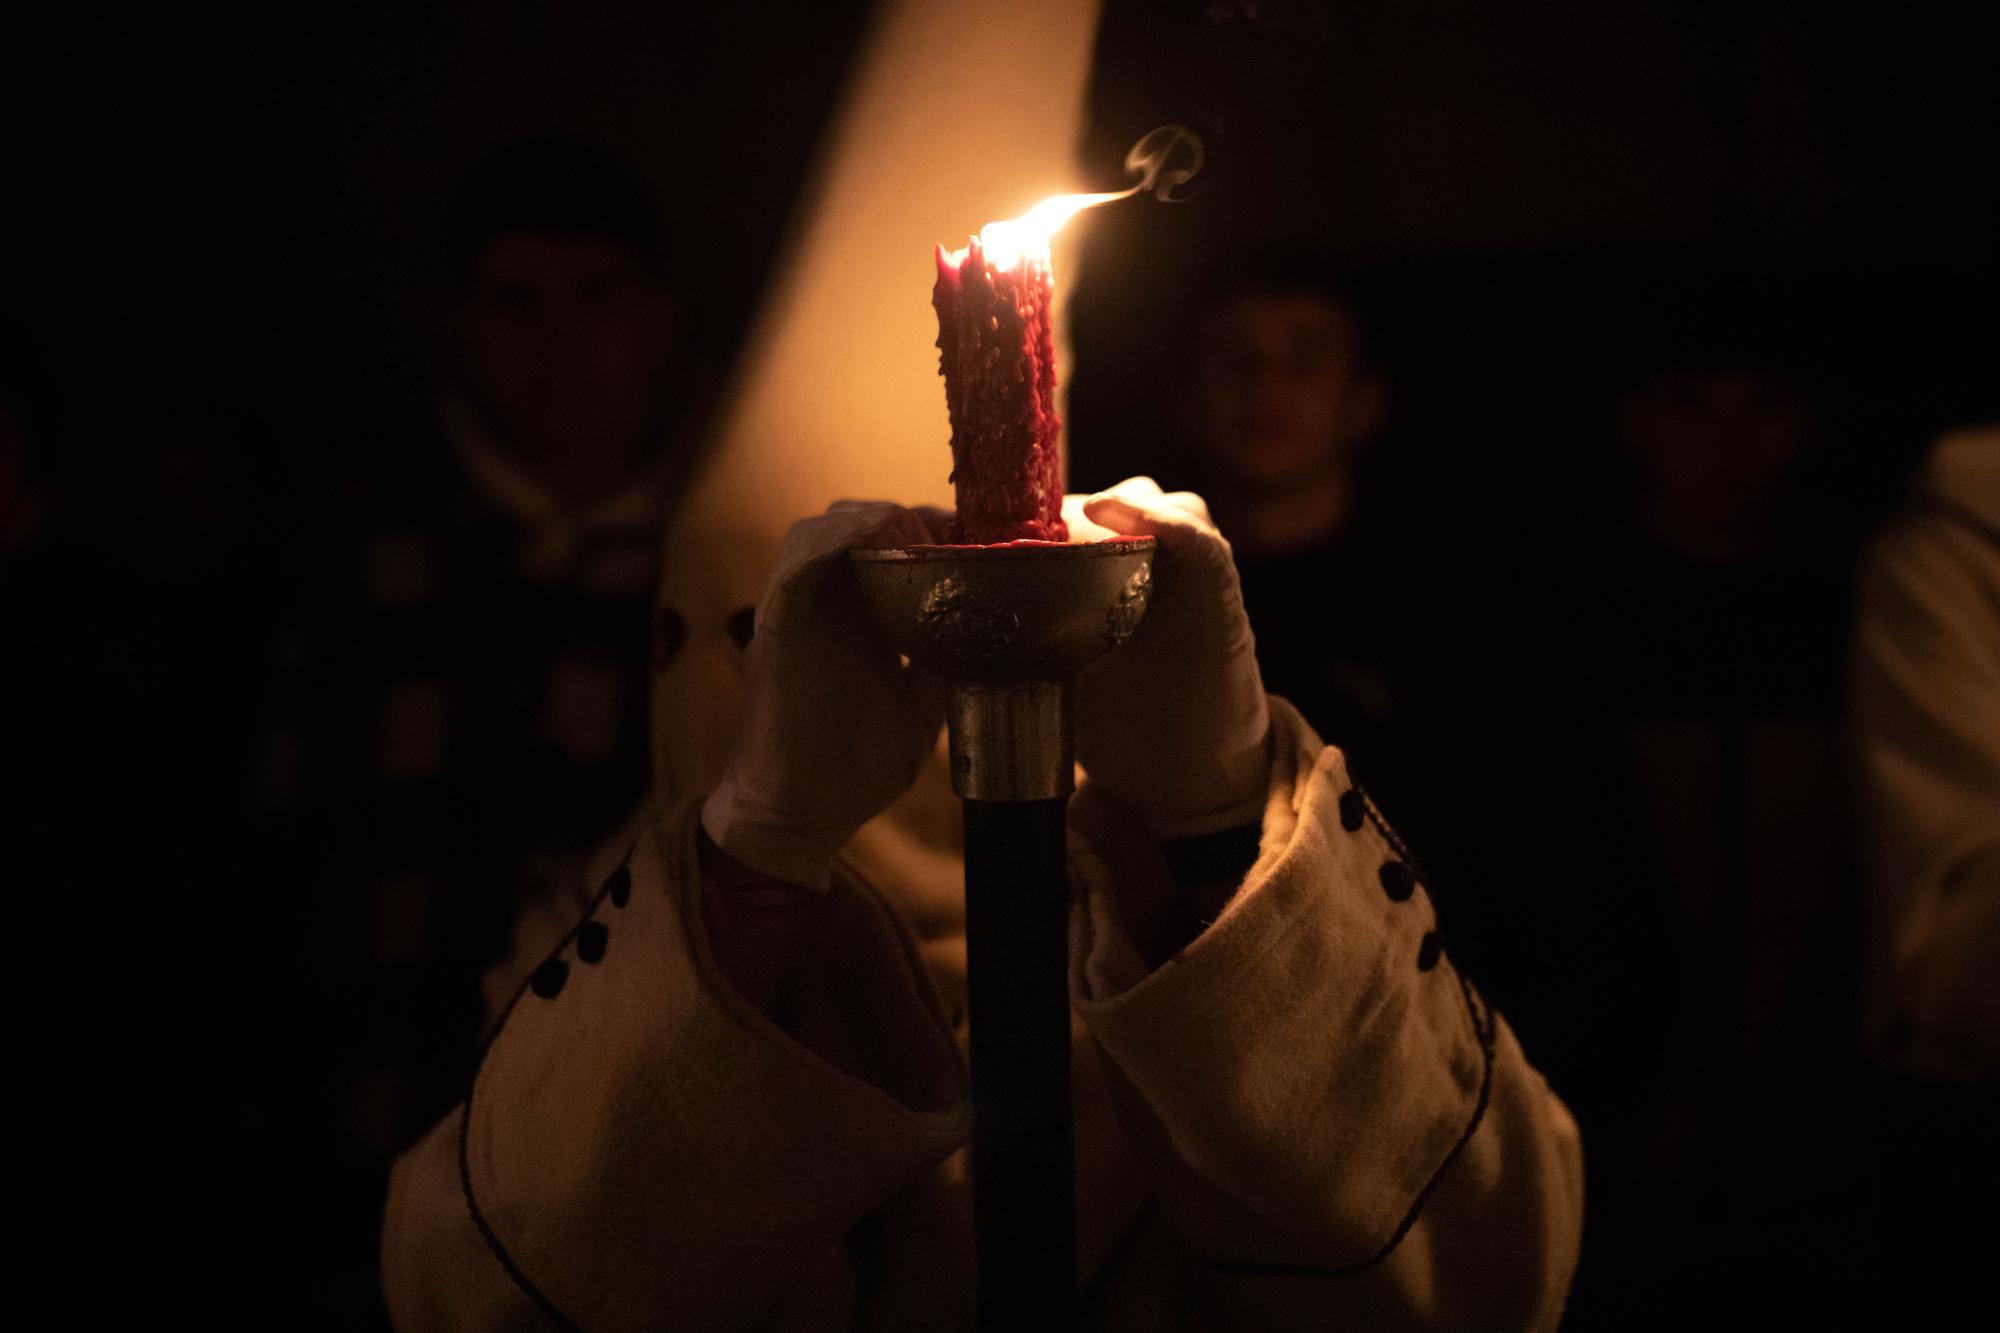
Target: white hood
{"x": 837, "y": 393}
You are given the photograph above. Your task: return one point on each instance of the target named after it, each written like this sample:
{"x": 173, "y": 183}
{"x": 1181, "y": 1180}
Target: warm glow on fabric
{"x": 835, "y": 393}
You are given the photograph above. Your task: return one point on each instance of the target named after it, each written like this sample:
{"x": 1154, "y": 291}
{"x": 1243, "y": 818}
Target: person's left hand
{"x": 834, "y": 727}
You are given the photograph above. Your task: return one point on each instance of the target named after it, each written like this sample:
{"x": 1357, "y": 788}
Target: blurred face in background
{"x": 1712, "y": 447}
{"x": 1279, "y": 391}
{"x": 563, "y": 347}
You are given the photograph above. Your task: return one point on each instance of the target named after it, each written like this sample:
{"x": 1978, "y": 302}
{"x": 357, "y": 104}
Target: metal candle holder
{"x": 1009, "y": 627}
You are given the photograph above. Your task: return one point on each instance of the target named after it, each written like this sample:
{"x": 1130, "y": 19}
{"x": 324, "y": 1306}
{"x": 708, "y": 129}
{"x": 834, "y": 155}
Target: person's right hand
{"x": 834, "y": 727}
{"x": 1174, "y": 723}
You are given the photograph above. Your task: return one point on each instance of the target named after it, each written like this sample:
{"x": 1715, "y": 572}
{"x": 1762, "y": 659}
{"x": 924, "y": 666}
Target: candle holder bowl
{"x": 1008, "y": 626}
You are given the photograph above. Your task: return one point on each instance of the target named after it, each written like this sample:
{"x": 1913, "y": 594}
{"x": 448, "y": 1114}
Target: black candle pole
{"x": 1016, "y": 904}
{"x": 1009, "y": 627}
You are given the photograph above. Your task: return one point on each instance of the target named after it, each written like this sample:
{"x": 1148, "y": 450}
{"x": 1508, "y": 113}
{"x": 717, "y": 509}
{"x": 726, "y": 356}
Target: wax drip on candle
{"x": 996, "y": 349}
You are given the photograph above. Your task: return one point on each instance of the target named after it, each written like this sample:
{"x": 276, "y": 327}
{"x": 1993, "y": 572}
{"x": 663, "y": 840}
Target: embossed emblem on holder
{"x": 1130, "y": 608}
{"x": 959, "y": 622}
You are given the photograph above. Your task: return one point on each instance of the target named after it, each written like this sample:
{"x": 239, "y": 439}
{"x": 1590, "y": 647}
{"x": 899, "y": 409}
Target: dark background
{"x": 210, "y": 204}
{"x": 1547, "y": 187}
{"x": 221, "y": 213}
{"x": 258, "y": 202}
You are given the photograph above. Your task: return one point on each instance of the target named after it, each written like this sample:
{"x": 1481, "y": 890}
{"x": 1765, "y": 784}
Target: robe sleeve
{"x": 1338, "y": 1126}
{"x": 641, "y": 1144}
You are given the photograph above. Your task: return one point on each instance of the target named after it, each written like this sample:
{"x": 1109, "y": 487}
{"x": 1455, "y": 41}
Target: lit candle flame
{"x": 1007, "y": 244}
{"x": 1014, "y": 240}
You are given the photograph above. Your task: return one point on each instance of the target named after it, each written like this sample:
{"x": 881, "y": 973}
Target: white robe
{"x": 1926, "y": 718}
{"x": 1290, "y": 1124}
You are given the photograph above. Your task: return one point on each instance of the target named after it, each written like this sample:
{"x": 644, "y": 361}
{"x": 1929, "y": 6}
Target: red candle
{"x": 997, "y": 353}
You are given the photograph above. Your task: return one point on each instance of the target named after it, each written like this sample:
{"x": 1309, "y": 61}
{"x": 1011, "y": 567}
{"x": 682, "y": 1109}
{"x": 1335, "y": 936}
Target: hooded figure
{"x": 725, "y": 1086}
{"x": 729, "y": 1090}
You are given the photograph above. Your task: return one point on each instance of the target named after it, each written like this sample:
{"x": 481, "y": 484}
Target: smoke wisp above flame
{"x": 1151, "y": 159}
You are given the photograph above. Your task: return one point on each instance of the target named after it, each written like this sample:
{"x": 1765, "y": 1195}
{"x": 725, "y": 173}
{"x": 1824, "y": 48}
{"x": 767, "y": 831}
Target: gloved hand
{"x": 834, "y": 728}
{"x": 1174, "y": 723}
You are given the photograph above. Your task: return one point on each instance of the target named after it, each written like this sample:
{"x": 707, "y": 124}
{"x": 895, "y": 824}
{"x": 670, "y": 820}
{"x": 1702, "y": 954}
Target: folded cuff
{"x": 639, "y": 1138}
{"x": 1310, "y": 1061}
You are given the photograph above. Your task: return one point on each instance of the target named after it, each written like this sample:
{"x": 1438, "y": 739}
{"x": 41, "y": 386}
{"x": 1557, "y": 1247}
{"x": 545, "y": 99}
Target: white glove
{"x": 834, "y": 727}
{"x": 1174, "y": 723}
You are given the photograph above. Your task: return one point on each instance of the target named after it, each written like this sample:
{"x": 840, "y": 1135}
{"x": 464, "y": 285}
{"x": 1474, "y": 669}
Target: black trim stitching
{"x": 486, "y": 1232}
{"x": 1484, "y": 1028}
